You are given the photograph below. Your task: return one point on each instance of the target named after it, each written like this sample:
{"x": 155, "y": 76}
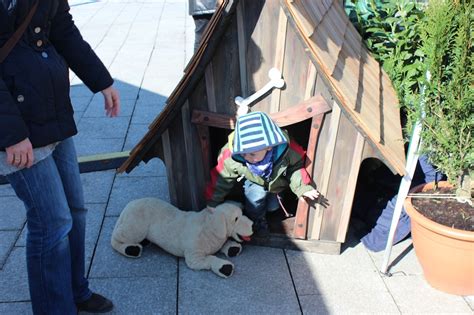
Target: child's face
{"x": 255, "y": 157}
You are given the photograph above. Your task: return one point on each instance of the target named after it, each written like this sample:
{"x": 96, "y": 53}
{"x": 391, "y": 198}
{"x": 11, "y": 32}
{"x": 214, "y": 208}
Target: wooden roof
{"x": 358, "y": 83}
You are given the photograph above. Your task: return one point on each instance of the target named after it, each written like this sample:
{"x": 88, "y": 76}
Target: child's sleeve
{"x": 300, "y": 180}
{"x": 223, "y": 178}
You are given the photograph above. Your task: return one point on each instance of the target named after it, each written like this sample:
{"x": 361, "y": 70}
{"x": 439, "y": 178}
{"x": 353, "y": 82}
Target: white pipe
{"x": 412, "y": 160}
{"x": 276, "y": 81}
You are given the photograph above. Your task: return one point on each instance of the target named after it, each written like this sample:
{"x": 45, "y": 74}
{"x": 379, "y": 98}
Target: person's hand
{"x": 210, "y": 209}
{"x": 312, "y": 194}
{"x": 111, "y": 101}
{"x": 21, "y": 154}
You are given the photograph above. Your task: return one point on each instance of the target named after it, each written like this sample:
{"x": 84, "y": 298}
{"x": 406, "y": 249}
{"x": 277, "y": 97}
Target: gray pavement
{"x": 146, "y": 45}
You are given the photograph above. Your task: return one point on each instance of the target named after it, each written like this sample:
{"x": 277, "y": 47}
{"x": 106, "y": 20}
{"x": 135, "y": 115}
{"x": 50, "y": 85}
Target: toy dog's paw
{"x": 231, "y": 248}
{"x": 234, "y": 251}
{"x": 226, "y": 270}
{"x": 133, "y": 251}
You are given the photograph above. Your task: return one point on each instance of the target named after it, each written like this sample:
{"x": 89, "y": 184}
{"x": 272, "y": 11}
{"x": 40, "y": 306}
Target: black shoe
{"x": 95, "y": 304}
{"x": 261, "y": 228}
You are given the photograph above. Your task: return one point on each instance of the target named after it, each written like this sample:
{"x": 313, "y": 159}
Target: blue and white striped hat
{"x": 256, "y": 131}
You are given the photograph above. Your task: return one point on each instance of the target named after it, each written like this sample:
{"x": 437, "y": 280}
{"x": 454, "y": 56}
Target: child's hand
{"x": 210, "y": 209}
{"x": 312, "y": 194}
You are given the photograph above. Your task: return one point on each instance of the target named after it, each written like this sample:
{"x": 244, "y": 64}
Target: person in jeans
{"x": 264, "y": 156}
{"x": 201, "y": 11}
{"x": 37, "y": 151}
{"x": 376, "y": 239}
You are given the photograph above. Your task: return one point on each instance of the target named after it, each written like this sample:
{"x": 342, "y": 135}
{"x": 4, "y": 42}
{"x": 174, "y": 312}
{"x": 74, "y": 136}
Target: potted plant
{"x": 442, "y": 218}
{"x": 426, "y": 49}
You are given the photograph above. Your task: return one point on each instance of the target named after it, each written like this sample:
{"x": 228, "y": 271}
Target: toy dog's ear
{"x": 219, "y": 225}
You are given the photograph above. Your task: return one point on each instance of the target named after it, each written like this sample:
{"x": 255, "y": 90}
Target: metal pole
{"x": 412, "y": 160}
{"x": 405, "y": 184}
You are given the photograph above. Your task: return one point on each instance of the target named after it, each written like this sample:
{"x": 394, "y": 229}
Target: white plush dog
{"x": 196, "y": 236}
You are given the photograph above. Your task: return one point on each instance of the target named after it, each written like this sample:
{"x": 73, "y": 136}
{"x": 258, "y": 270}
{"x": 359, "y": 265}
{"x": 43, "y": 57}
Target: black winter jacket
{"x": 34, "y": 78}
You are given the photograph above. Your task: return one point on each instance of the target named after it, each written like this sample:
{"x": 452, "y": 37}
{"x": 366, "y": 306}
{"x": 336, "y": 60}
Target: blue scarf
{"x": 264, "y": 167}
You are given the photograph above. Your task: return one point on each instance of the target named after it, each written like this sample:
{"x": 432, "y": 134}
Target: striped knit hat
{"x": 256, "y": 131}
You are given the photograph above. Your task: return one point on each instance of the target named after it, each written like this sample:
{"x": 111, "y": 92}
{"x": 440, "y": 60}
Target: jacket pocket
{"x": 34, "y": 103}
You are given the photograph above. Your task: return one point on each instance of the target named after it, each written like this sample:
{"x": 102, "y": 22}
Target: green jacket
{"x": 288, "y": 171}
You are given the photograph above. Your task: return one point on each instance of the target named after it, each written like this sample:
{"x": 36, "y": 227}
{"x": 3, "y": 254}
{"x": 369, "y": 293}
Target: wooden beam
{"x": 168, "y": 160}
{"x": 310, "y": 80}
{"x": 350, "y": 188}
{"x": 326, "y": 174}
{"x": 188, "y": 148}
{"x": 242, "y": 44}
{"x": 279, "y": 57}
{"x": 94, "y": 163}
{"x": 210, "y": 88}
{"x": 304, "y": 110}
{"x": 301, "y": 219}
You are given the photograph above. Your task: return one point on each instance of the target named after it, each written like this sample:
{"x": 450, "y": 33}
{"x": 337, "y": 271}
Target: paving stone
{"x": 146, "y": 114}
{"x": 254, "y": 288}
{"x": 317, "y": 273}
{"x": 415, "y": 296}
{"x": 103, "y": 127}
{"x": 80, "y": 90}
{"x": 90, "y": 146}
{"x": 470, "y": 301}
{"x": 21, "y": 242}
{"x": 139, "y": 295}
{"x": 154, "y": 167}
{"x": 148, "y": 98}
{"x": 124, "y": 190}
{"x": 7, "y": 240}
{"x": 14, "y": 280}
{"x": 80, "y": 103}
{"x": 13, "y": 214}
{"x": 348, "y": 302}
{"x": 97, "y": 186}
{"x": 16, "y": 308}
{"x": 77, "y": 117}
{"x": 95, "y": 217}
{"x": 108, "y": 263}
{"x": 402, "y": 259}
{"x": 96, "y": 107}
{"x": 134, "y": 135}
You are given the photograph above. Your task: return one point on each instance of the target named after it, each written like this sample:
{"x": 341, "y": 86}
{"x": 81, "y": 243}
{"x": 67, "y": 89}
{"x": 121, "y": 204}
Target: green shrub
{"x": 446, "y": 33}
{"x": 426, "y": 49}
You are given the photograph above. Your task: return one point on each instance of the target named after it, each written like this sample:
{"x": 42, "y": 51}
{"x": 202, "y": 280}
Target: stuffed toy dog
{"x": 196, "y": 236}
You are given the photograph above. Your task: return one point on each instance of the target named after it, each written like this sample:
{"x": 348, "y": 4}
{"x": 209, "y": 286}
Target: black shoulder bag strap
{"x": 11, "y": 42}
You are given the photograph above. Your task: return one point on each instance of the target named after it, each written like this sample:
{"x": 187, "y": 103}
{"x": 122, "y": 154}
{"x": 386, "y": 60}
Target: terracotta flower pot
{"x": 446, "y": 255}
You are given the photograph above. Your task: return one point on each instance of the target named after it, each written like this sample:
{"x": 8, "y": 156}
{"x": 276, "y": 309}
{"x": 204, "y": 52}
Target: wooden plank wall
{"x": 185, "y": 151}
{"x": 261, "y": 20}
{"x": 339, "y": 179}
{"x": 242, "y": 61}
{"x": 298, "y": 73}
{"x": 340, "y": 146}
{"x": 225, "y": 71}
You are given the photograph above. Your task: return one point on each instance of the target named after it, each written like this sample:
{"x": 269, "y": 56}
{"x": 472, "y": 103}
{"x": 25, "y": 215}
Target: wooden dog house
{"x": 337, "y": 99}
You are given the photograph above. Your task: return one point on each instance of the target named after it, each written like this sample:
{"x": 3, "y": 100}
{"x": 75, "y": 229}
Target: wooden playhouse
{"x": 337, "y": 102}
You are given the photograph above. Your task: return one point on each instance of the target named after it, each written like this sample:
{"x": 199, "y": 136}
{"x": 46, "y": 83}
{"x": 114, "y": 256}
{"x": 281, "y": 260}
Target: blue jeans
{"x": 376, "y": 239}
{"x": 56, "y": 219}
{"x": 258, "y": 201}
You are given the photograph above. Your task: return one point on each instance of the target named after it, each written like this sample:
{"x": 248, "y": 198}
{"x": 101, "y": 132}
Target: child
{"x": 259, "y": 152}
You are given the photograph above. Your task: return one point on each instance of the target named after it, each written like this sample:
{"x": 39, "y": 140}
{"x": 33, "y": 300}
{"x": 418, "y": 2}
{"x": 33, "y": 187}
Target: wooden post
{"x": 301, "y": 220}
